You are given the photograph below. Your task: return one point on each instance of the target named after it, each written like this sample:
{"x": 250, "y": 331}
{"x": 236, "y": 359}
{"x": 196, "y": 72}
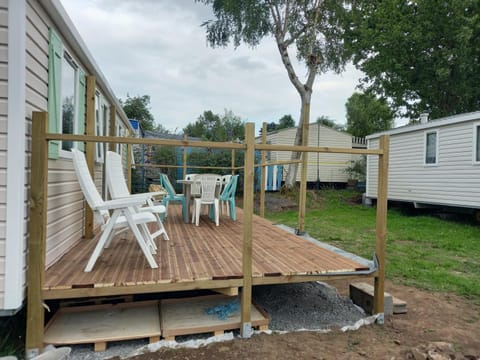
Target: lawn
{"x": 422, "y": 251}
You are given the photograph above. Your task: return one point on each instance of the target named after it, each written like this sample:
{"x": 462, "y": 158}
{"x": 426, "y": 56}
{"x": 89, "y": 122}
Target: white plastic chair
{"x": 117, "y": 188}
{"x": 195, "y": 189}
{"x": 208, "y": 196}
{"x": 122, "y": 215}
{"x": 225, "y": 180}
{"x": 224, "y": 190}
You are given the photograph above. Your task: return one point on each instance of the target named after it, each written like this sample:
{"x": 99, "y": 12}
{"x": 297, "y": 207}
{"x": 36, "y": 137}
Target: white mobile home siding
{"x": 65, "y": 209}
{"x": 65, "y": 204}
{"x": 453, "y": 181}
{"x": 3, "y": 139}
{"x": 331, "y": 166}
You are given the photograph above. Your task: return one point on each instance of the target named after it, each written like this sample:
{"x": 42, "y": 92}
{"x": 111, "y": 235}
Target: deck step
{"x": 362, "y": 295}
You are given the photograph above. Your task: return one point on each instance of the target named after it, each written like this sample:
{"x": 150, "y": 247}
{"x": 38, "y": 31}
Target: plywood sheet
{"x": 188, "y": 316}
{"x": 103, "y": 323}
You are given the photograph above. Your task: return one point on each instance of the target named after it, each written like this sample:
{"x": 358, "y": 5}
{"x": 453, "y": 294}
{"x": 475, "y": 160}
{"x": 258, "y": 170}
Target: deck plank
{"x": 206, "y": 252}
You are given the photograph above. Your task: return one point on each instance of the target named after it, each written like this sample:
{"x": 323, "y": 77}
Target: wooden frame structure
{"x": 38, "y": 215}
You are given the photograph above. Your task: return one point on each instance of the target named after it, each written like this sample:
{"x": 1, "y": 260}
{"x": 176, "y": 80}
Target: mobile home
{"x": 322, "y": 167}
{"x": 433, "y": 163}
{"x": 45, "y": 66}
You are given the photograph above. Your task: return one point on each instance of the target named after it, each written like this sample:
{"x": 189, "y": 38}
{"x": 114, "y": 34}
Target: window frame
{"x": 99, "y": 126}
{"x": 425, "y": 137}
{"x": 69, "y": 59}
{"x": 476, "y": 142}
{"x": 121, "y": 130}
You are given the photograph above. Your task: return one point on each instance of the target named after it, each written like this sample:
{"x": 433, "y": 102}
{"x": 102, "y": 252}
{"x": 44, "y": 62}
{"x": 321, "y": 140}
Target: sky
{"x": 158, "y": 48}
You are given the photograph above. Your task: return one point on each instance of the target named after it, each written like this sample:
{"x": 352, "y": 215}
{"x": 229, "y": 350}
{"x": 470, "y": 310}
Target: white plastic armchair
{"x": 122, "y": 215}
{"x": 118, "y": 189}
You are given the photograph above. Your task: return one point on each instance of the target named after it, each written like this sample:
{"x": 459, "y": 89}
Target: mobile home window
{"x": 121, "y": 133}
{"x": 68, "y": 96}
{"x": 99, "y": 121}
{"x": 431, "y": 144}
{"x": 477, "y": 143}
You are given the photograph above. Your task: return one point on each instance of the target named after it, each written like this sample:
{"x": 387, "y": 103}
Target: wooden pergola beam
{"x": 302, "y": 203}
{"x": 90, "y": 148}
{"x": 185, "y": 156}
{"x": 317, "y": 149}
{"x": 263, "y": 171}
{"x": 381, "y": 224}
{"x": 246, "y": 306}
{"x": 112, "y": 126}
{"x": 146, "y": 141}
{"x": 37, "y": 230}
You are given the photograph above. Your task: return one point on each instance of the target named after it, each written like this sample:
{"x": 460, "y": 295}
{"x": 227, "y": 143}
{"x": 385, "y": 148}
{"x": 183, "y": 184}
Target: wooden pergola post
{"x": 302, "y": 206}
{"x": 37, "y": 235}
{"x": 129, "y": 164}
{"x": 185, "y": 137}
{"x": 112, "y": 127}
{"x": 262, "y": 171}
{"x": 90, "y": 148}
{"x": 381, "y": 230}
{"x": 246, "y": 306}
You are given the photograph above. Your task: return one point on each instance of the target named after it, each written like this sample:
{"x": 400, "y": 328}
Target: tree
{"x": 159, "y": 128}
{"x": 138, "y": 108}
{"x": 366, "y": 114}
{"x": 422, "y": 55}
{"x": 286, "y": 121}
{"x": 326, "y": 121}
{"x": 310, "y": 26}
{"x": 213, "y": 127}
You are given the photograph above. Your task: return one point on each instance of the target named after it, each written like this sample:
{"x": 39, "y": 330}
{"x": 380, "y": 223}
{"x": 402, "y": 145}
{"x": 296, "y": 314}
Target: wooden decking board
{"x": 196, "y": 253}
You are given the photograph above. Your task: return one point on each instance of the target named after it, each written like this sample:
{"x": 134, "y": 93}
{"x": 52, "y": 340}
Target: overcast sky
{"x": 158, "y": 48}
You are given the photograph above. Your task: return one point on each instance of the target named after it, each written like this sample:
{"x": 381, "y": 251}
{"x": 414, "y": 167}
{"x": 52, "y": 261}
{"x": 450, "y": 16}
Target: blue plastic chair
{"x": 228, "y": 196}
{"x": 172, "y": 196}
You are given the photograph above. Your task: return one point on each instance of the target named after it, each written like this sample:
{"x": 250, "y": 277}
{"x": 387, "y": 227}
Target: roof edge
{"x": 448, "y": 120}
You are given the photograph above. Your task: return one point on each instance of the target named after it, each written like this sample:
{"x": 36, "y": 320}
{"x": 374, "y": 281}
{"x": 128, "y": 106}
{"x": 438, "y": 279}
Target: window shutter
{"x": 54, "y": 81}
{"x": 81, "y": 107}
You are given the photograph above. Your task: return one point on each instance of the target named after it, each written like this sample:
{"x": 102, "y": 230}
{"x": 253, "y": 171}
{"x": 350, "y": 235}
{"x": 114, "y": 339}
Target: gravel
{"x": 291, "y": 307}
{"x": 312, "y": 306}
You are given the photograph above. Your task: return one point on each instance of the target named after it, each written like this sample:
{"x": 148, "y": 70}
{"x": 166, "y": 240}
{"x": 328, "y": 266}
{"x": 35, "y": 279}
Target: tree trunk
{"x": 299, "y": 138}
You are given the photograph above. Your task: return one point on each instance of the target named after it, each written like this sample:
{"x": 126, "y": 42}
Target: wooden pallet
{"x": 100, "y": 324}
{"x": 187, "y": 317}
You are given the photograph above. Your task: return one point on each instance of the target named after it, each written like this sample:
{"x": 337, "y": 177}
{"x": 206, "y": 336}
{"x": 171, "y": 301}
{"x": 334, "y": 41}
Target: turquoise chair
{"x": 172, "y": 196}
{"x": 227, "y": 197}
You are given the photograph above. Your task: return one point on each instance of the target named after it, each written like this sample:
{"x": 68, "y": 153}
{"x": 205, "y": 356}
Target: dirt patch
{"x": 275, "y": 202}
{"x": 437, "y": 326}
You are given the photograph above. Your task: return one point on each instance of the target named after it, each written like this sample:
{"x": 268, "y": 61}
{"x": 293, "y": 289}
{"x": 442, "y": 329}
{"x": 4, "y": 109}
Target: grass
{"x": 422, "y": 251}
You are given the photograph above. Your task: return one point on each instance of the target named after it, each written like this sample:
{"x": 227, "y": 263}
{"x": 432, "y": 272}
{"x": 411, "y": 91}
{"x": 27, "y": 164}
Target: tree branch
{"x": 285, "y": 20}
{"x": 282, "y": 48}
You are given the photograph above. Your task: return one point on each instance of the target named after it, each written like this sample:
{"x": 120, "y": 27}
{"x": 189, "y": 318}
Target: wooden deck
{"x": 195, "y": 257}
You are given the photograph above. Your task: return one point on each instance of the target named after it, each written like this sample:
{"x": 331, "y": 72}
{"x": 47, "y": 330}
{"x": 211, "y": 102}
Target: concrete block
{"x": 399, "y": 306}
{"x": 362, "y": 295}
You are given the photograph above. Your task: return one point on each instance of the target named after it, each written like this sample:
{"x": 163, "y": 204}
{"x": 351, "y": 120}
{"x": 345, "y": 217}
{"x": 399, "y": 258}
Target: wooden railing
{"x": 39, "y": 199}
